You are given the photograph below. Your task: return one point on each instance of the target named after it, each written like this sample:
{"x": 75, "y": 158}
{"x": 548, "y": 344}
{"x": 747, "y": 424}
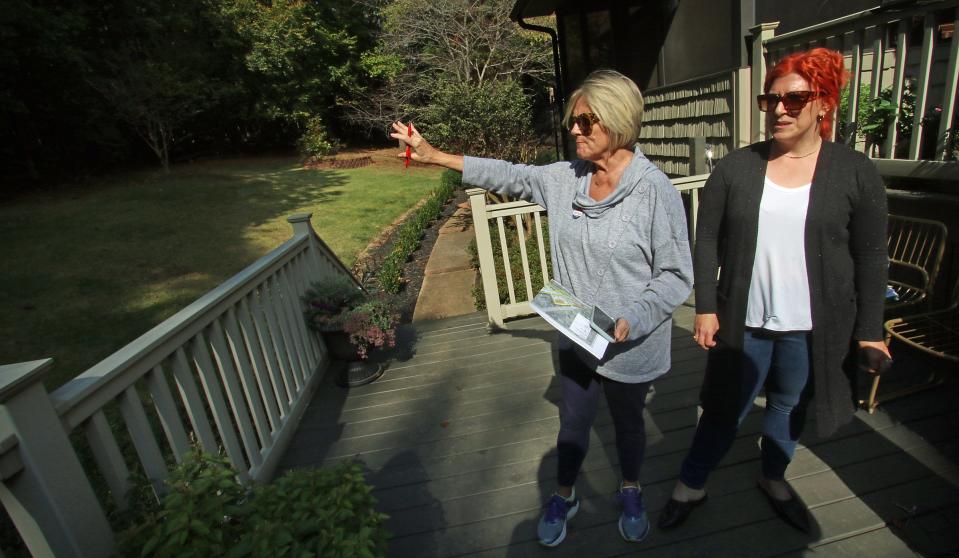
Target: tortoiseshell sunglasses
{"x": 585, "y": 122}
{"x": 793, "y": 101}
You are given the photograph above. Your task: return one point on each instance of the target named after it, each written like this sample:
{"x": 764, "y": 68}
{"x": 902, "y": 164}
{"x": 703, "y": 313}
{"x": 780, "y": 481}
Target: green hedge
{"x": 407, "y": 240}
{"x": 328, "y": 512}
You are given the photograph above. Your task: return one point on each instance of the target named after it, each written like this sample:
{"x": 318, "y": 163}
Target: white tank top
{"x": 779, "y": 289}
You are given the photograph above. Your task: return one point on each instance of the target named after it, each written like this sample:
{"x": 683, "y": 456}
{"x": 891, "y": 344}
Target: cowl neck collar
{"x": 632, "y": 177}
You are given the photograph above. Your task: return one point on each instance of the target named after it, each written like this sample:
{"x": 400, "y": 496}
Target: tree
{"x": 54, "y": 123}
{"x": 465, "y": 41}
{"x": 303, "y": 54}
{"x": 159, "y": 75}
{"x": 156, "y": 100}
{"x": 491, "y": 119}
{"x": 444, "y": 62}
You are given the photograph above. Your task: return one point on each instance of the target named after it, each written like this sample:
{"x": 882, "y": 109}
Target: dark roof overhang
{"x": 533, "y": 8}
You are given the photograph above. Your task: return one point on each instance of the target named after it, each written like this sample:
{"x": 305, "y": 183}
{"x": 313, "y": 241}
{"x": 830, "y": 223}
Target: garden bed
{"x": 334, "y": 163}
{"x": 414, "y": 268}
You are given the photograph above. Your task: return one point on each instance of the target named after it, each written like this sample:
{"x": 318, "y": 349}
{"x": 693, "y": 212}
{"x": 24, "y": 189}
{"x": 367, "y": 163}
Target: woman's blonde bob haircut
{"x": 616, "y": 101}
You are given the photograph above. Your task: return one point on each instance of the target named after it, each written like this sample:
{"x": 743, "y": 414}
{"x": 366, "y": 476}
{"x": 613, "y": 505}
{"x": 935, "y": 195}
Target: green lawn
{"x": 87, "y": 271}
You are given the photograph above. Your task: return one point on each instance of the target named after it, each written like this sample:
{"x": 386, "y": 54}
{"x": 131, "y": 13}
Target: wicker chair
{"x": 916, "y": 247}
{"x": 935, "y": 333}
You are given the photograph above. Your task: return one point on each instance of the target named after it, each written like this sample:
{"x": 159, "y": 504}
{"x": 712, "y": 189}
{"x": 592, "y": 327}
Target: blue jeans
{"x": 781, "y": 362}
{"x": 581, "y": 389}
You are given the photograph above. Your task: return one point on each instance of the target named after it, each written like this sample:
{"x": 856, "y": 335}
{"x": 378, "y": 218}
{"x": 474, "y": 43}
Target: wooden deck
{"x": 458, "y": 439}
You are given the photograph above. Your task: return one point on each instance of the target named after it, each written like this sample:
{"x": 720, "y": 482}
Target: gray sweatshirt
{"x": 627, "y": 254}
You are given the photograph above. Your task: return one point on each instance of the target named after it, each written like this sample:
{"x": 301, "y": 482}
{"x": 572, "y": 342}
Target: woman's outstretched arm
{"x": 526, "y": 182}
{"x": 421, "y": 151}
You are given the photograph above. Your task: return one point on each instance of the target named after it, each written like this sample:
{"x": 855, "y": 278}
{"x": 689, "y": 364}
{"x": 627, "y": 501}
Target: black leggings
{"x": 581, "y": 387}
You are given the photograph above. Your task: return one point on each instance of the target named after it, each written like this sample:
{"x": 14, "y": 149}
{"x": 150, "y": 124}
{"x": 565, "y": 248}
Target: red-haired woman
{"x": 794, "y": 227}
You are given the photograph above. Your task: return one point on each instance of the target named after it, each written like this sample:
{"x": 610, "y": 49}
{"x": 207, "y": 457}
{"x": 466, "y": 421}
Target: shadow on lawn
{"x": 145, "y": 237}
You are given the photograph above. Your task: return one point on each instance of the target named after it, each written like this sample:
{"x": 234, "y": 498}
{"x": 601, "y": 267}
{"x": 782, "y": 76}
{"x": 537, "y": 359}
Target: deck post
{"x": 697, "y": 155}
{"x": 761, "y": 33}
{"x": 302, "y": 227}
{"x": 49, "y": 499}
{"x": 484, "y": 250}
{"x": 742, "y": 106}
{"x": 948, "y": 136}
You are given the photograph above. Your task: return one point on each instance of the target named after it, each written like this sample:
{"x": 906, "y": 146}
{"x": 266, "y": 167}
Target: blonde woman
{"x": 618, "y": 240}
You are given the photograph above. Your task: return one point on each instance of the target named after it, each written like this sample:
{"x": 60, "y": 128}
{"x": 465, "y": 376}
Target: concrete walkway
{"x": 449, "y": 277}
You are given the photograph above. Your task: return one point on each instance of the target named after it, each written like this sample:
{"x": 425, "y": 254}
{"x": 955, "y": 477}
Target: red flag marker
{"x": 409, "y": 132}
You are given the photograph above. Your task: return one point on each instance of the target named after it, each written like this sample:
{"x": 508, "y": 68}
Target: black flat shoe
{"x": 792, "y": 511}
{"x": 676, "y": 512}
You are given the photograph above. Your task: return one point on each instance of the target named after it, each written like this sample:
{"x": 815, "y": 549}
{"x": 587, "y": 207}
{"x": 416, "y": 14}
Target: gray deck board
{"x": 458, "y": 440}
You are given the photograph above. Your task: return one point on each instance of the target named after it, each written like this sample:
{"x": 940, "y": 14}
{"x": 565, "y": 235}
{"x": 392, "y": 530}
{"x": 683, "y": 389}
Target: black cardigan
{"x": 846, "y": 264}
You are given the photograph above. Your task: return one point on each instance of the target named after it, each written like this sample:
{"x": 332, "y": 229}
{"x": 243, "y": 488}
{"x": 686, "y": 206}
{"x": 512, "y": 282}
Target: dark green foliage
{"x": 89, "y": 84}
{"x": 315, "y": 512}
{"x": 875, "y": 115}
{"x": 316, "y": 140}
{"x": 390, "y": 273}
{"x": 407, "y": 240}
{"x": 462, "y": 70}
{"x": 302, "y": 57}
{"x": 491, "y": 119}
{"x": 842, "y": 115}
{"x": 451, "y": 178}
{"x": 326, "y": 301}
{"x": 515, "y": 258}
{"x": 311, "y": 512}
{"x": 54, "y": 123}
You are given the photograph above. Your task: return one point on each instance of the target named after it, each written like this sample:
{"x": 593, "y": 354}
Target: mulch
{"x": 356, "y": 158}
{"x": 414, "y": 270}
{"x": 338, "y": 163}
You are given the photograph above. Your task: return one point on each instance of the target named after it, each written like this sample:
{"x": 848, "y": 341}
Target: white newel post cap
{"x": 14, "y": 378}
{"x": 301, "y": 223}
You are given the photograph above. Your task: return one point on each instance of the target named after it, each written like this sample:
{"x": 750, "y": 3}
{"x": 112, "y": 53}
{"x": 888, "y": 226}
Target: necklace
{"x": 802, "y": 156}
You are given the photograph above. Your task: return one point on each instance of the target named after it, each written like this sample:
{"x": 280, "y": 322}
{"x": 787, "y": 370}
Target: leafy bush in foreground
{"x": 325, "y": 512}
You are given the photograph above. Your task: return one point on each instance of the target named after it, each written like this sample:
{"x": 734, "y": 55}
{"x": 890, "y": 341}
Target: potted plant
{"x": 353, "y": 324}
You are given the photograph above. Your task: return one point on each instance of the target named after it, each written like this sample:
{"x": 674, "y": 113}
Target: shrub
{"x": 316, "y": 141}
{"x": 451, "y": 179}
{"x": 327, "y": 300}
{"x": 337, "y": 304}
{"x": 492, "y": 119}
{"x": 327, "y": 512}
{"x": 407, "y": 240}
{"x": 874, "y": 115}
{"x": 390, "y": 274}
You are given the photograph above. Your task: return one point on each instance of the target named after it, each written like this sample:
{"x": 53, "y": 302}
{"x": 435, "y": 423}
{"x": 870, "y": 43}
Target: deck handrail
{"x": 497, "y": 311}
{"x": 257, "y": 364}
{"x": 848, "y": 34}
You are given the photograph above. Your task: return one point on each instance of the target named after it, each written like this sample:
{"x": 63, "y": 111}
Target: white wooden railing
{"x": 257, "y": 364}
{"x": 876, "y": 44}
{"x": 521, "y": 213}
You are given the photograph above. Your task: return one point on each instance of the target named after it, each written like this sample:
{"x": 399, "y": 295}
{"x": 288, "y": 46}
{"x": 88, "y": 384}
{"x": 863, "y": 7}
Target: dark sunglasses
{"x": 585, "y": 122}
{"x": 793, "y": 101}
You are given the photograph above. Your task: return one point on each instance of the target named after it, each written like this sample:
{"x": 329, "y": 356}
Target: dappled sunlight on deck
{"x": 458, "y": 439}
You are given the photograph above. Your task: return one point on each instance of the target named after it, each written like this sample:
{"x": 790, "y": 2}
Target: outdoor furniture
{"x": 916, "y": 247}
{"x": 935, "y": 333}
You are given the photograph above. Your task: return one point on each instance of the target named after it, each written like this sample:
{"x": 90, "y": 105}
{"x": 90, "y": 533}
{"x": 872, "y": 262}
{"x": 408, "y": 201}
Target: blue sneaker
{"x": 552, "y": 526}
{"x": 633, "y": 523}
